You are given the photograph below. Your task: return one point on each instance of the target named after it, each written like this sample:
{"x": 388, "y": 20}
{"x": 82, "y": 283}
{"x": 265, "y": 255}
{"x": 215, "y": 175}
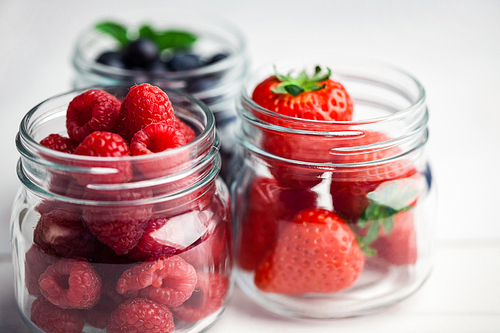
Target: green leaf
{"x": 372, "y": 233}
{"x": 387, "y": 224}
{"x": 174, "y": 39}
{"x": 146, "y": 31}
{"x": 115, "y": 30}
{"x": 280, "y": 89}
{"x": 293, "y": 89}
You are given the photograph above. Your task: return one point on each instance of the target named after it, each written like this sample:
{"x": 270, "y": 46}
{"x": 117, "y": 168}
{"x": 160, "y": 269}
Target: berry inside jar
{"x": 128, "y": 223}
{"x": 331, "y": 197}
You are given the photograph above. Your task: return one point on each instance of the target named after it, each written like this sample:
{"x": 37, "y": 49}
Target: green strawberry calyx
{"x": 380, "y": 213}
{"x": 301, "y": 83}
{"x": 164, "y": 39}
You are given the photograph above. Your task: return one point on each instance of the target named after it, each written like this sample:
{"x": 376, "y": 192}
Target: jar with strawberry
{"x": 333, "y": 200}
{"x": 121, "y": 214}
{"x": 193, "y": 52}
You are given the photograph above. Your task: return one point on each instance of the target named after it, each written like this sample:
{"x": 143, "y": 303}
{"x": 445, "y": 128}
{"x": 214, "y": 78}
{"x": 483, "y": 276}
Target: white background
{"x": 452, "y": 47}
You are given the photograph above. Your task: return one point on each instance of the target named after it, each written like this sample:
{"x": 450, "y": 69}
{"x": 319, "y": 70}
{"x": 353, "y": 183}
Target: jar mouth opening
{"x": 27, "y": 142}
{"x": 417, "y": 101}
{"x": 195, "y": 160}
{"x": 216, "y": 29}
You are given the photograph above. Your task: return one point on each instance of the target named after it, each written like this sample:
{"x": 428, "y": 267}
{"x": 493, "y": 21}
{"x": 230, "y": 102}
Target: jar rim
{"x": 203, "y": 149}
{"x": 418, "y": 103}
{"x": 86, "y": 64}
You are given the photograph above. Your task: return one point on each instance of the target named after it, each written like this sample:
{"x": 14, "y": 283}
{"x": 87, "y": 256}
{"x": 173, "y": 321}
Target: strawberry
{"x": 316, "y": 253}
{"x": 399, "y": 247}
{"x": 386, "y": 225}
{"x": 268, "y": 204}
{"x": 316, "y": 98}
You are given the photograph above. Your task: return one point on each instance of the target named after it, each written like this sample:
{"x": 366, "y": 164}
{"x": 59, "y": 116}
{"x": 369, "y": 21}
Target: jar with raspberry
{"x": 121, "y": 213}
{"x": 198, "y": 54}
{"x": 333, "y": 198}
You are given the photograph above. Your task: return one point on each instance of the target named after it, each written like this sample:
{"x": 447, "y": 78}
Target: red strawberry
{"x": 94, "y": 110}
{"x": 104, "y": 144}
{"x": 386, "y": 225}
{"x": 316, "y": 253}
{"x": 268, "y": 204}
{"x": 59, "y": 143}
{"x": 316, "y": 98}
{"x": 399, "y": 247}
{"x": 144, "y": 104}
{"x": 155, "y": 138}
{"x": 312, "y": 98}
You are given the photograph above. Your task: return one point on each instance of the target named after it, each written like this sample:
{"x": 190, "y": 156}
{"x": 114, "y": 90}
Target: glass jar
{"x": 160, "y": 240}
{"x": 217, "y": 85}
{"x": 334, "y": 218}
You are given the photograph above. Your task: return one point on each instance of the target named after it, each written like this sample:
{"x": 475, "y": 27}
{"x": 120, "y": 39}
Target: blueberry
{"x": 201, "y": 84}
{"x": 218, "y": 57}
{"x": 140, "y": 53}
{"x": 184, "y": 61}
{"x": 111, "y": 58}
{"x": 157, "y": 66}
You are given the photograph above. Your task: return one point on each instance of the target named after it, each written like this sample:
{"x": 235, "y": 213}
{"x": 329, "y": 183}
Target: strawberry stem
{"x": 301, "y": 83}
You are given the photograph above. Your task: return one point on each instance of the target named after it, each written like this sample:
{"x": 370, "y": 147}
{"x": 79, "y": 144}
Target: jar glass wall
{"x": 334, "y": 218}
{"x": 216, "y": 84}
{"x": 86, "y": 246}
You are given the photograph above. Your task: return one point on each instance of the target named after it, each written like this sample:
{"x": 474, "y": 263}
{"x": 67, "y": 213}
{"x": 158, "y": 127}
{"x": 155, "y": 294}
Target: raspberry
{"x": 144, "y": 104}
{"x": 71, "y": 284}
{"x": 104, "y": 144}
{"x": 59, "y": 143}
{"x": 141, "y": 315}
{"x": 118, "y": 226}
{"x": 94, "y": 110}
{"x": 159, "y": 238}
{"x": 187, "y": 131}
{"x": 155, "y": 138}
{"x": 35, "y": 264}
{"x": 168, "y": 281}
{"x": 98, "y": 316}
{"x": 63, "y": 234}
{"x": 209, "y": 295}
{"x": 52, "y": 319}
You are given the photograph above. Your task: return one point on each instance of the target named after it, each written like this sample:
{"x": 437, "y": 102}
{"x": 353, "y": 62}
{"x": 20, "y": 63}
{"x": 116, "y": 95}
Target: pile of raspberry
{"x": 103, "y": 266}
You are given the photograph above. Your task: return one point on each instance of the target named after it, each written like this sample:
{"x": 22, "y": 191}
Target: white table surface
{"x": 453, "y": 47}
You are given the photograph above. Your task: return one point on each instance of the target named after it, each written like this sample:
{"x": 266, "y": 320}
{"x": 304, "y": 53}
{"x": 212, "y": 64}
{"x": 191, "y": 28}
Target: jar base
{"x": 379, "y": 287}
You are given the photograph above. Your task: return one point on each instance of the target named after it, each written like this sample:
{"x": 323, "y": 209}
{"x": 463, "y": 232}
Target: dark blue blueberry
{"x": 158, "y": 66}
{"x": 218, "y": 57}
{"x": 140, "y": 53}
{"x": 201, "y": 84}
{"x": 428, "y": 175}
{"x": 111, "y": 58}
{"x": 184, "y": 61}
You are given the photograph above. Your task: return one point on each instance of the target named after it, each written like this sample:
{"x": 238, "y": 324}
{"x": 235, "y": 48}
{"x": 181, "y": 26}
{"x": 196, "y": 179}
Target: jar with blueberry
{"x": 333, "y": 199}
{"x": 205, "y": 57}
{"x": 120, "y": 217}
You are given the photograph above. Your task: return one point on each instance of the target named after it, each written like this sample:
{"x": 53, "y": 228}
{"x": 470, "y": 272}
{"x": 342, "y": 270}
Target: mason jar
{"x": 217, "y": 84}
{"x": 95, "y": 238}
{"x": 334, "y": 218}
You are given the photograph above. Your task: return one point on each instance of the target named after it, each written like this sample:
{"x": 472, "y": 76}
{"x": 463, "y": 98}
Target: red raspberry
{"x": 168, "y": 281}
{"x": 119, "y": 226}
{"x": 98, "y": 316}
{"x": 71, "y": 284}
{"x": 155, "y": 138}
{"x": 35, "y": 264}
{"x": 159, "y": 238}
{"x": 185, "y": 130}
{"x": 144, "y": 104}
{"x": 59, "y": 143}
{"x": 209, "y": 295}
{"x": 104, "y": 144}
{"x": 141, "y": 315}
{"x": 94, "y": 110}
{"x": 52, "y": 319}
{"x": 64, "y": 234}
